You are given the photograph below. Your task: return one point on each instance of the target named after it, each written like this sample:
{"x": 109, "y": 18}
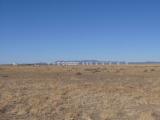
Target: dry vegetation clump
{"x": 93, "y": 70}
{"x": 152, "y": 69}
{"x": 3, "y": 75}
{"x": 145, "y": 70}
{"x": 78, "y": 73}
{"x": 149, "y": 70}
{"x": 74, "y": 93}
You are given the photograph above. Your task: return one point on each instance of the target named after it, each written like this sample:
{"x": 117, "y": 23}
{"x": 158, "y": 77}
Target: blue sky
{"x": 49, "y": 30}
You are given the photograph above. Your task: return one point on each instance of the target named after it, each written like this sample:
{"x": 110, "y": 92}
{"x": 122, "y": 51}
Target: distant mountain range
{"x": 84, "y": 62}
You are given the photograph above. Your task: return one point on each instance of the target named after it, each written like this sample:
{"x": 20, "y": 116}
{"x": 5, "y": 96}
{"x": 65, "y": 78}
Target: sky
{"x": 50, "y": 30}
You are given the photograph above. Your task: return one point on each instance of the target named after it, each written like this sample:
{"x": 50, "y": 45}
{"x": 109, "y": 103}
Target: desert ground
{"x": 108, "y": 92}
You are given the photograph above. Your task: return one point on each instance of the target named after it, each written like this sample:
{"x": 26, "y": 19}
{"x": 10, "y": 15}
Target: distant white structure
{"x": 67, "y": 63}
{"x": 89, "y": 62}
{"x": 126, "y": 63}
{"x": 83, "y": 63}
{"x": 14, "y": 64}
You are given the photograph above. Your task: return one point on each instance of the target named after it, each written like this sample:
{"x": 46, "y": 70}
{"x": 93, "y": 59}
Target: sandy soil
{"x": 124, "y": 92}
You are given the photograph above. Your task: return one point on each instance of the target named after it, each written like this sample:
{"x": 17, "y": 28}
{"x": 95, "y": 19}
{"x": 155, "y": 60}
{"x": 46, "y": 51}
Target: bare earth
{"x": 124, "y": 92}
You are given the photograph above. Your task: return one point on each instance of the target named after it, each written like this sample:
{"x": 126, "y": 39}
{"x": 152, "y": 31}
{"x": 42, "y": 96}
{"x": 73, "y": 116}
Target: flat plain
{"x": 108, "y": 92}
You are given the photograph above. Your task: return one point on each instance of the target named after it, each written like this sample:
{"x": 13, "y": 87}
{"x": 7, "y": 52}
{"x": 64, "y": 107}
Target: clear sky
{"x": 49, "y": 30}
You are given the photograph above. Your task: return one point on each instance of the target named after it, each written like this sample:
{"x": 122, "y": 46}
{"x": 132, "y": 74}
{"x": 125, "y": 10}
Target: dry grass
{"x": 130, "y": 92}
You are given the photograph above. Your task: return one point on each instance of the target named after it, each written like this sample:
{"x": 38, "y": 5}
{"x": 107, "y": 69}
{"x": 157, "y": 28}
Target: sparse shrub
{"x": 78, "y": 73}
{"x": 70, "y": 70}
{"x": 58, "y": 74}
{"x": 117, "y": 71}
{"x": 93, "y": 70}
{"x": 145, "y": 70}
{"x": 156, "y": 115}
{"x": 96, "y": 70}
{"x": 4, "y": 76}
{"x": 152, "y": 70}
{"x": 1, "y": 75}
{"x": 121, "y": 69}
{"x": 87, "y": 69}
